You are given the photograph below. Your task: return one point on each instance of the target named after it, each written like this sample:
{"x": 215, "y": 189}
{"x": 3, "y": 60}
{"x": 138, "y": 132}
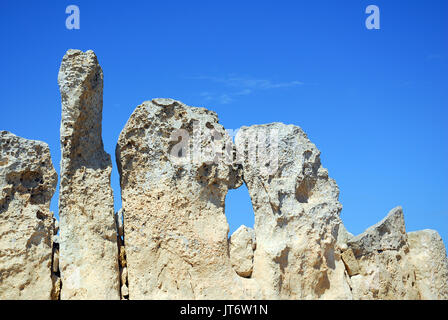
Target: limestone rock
{"x": 176, "y": 165}
{"x": 385, "y": 270}
{"x": 88, "y": 242}
{"x": 428, "y": 255}
{"x": 119, "y": 222}
{"x": 296, "y": 214}
{"x": 27, "y": 183}
{"x": 342, "y": 238}
{"x": 241, "y": 249}
{"x": 174, "y": 178}
{"x": 350, "y": 262}
{"x": 388, "y": 234}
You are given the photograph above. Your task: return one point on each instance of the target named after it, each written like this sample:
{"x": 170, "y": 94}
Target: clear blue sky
{"x": 373, "y": 101}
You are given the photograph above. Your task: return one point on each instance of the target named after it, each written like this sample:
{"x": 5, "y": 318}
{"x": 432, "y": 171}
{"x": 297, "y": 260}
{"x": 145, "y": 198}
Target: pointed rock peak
{"x": 343, "y": 237}
{"x": 388, "y": 234}
{"x": 77, "y": 65}
{"x": 242, "y": 229}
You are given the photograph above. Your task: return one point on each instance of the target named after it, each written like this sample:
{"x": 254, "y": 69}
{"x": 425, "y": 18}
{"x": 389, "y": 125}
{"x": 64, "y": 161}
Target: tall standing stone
{"x": 88, "y": 240}
{"x": 173, "y": 192}
{"x": 296, "y": 214}
{"x": 27, "y": 183}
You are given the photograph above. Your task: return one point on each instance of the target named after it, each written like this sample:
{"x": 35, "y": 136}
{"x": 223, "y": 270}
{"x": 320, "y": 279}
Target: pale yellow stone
{"x": 242, "y": 245}
{"x": 428, "y": 255}
{"x": 88, "y": 236}
{"x": 174, "y": 222}
{"x": 27, "y": 183}
{"x": 351, "y": 264}
{"x": 386, "y": 272}
{"x": 296, "y": 214}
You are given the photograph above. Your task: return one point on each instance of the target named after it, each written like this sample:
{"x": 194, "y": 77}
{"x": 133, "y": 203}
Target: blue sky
{"x": 373, "y": 101}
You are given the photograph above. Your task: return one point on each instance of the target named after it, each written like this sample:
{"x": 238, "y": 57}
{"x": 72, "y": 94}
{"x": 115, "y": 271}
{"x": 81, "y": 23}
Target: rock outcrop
{"x": 170, "y": 239}
{"x": 242, "y": 244}
{"x": 382, "y": 269}
{"x": 27, "y": 183}
{"x": 428, "y": 255}
{"x": 173, "y": 198}
{"x": 296, "y": 214}
{"x": 88, "y": 243}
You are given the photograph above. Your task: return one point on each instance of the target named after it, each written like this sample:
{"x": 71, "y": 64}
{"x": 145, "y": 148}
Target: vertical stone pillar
{"x": 88, "y": 240}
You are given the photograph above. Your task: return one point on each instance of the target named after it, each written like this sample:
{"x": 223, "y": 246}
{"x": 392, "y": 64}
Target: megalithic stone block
{"x": 296, "y": 214}
{"x": 173, "y": 198}
{"x": 27, "y": 183}
{"x": 386, "y": 271}
{"x": 88, "y": 239}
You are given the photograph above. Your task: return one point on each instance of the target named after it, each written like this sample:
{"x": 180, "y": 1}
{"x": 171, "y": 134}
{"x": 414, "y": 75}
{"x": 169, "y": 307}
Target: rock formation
{"x": 242, "y": 244}
{"x": 173, "y": 199}
{"x": 382, "y": 264}
{"x": 296, "y": 214}
{"x": 88, "y": 243}
{"x": 428, "y": 255}
{"x": 170, "y": 239}
{"x": 27, "y": 183}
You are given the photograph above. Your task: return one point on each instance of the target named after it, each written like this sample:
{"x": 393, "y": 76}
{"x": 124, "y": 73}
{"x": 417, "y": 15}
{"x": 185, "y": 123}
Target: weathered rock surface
{"x": 173, "y": 200}
{"x": 296, "y": 214}
{"x": 350, "y": 262}
{"x": 169, "y": 241}
{"x": 388, "y": 234}
{"x": 88, "y": 242}
{"x": 27, "y": 183}
{"x": 428, "y": 255}
{"x": 382, "y": 252}
{"x": 242, "y": 244}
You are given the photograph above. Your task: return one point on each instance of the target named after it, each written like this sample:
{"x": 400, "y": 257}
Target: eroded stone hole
{"x": 31, "y": 179}
{"x": 238, "y": 209}
{"x": 241, "y": 241}
{"x": 40, "y": 215}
